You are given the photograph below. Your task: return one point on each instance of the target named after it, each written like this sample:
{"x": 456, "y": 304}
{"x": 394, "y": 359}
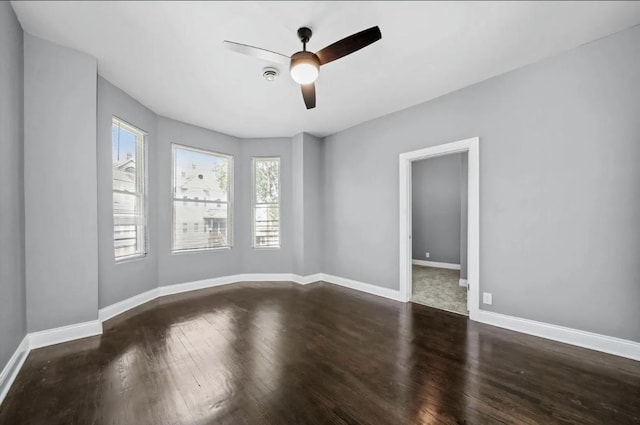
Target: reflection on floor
{"x": 439, "y": 288}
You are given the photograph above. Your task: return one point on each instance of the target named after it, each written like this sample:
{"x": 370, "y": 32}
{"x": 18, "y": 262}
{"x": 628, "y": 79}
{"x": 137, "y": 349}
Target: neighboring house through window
{"x": 198, "y": 176}
{"x": 129, "y": 196}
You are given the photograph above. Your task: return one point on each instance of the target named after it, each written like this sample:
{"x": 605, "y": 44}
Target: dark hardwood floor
{"x": 280, "y": 353}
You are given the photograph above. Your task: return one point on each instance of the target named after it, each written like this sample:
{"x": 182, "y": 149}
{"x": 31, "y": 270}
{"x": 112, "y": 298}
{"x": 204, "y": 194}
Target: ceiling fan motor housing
{"x": 304, "y": 67}
{"x": 305, "y": 57}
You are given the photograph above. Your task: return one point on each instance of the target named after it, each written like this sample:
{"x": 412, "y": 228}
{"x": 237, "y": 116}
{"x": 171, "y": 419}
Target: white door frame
{"x": 473, "y": 228}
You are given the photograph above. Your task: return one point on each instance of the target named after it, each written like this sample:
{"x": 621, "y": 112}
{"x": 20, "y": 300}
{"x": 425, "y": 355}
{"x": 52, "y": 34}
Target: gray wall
{"x": 560, "y": 200}
{"x": 124, "y": 279}
{"x": 559, "y": 193}
{"x": 307, "y": 157}
{"x": 61, "y": 237}
{"x": 265, "y": 260}
{"x": 436, "y": 208}
{"x": 12, "y": 285}
{"x": 313, "y": 194}
{"x": 297, "y": 165}
{"x": 464, "y": 212}
{"x": 192, "y": 266}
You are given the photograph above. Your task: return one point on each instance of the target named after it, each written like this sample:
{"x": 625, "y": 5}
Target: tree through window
{"x": 266, "y": 202}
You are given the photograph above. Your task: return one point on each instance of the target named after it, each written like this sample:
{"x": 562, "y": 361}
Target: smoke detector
{"x": 270, "y": 74}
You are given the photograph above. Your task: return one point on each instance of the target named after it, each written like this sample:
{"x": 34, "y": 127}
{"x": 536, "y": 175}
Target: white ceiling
{"x": 169, "y": 55}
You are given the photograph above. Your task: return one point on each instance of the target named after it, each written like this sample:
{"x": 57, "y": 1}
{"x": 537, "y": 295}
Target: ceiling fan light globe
{"x": 304, "y": 73}
{"x": 305, "y": 67}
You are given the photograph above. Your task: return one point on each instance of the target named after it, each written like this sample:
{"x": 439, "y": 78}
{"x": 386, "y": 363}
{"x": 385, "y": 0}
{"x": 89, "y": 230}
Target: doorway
{"x": 438, "y": 223}
{"x": 439, "y": 274}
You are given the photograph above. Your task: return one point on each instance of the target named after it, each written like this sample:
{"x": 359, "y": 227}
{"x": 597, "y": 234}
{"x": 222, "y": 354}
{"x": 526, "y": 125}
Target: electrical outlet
{"x": 426, "y": 254}
{"x": 487, "y": 298}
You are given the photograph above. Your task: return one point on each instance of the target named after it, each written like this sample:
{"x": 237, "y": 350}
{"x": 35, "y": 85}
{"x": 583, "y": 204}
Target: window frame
{"x": 142, "y": 182}
{"x": 230, "y": 201}
{"x": 255, "y": 205}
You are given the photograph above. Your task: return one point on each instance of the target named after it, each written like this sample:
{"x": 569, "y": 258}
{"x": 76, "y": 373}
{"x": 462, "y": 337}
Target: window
{"x": 129, "y": 196}
{"x": 266, "y": 202}
{"x": 196, "y": 172}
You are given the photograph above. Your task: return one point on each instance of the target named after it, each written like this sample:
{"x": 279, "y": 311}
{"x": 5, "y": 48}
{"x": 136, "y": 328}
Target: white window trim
{"x": 230, "y": 202}
{"x": 144, "y": 238}
{"x": 254, "y": 204}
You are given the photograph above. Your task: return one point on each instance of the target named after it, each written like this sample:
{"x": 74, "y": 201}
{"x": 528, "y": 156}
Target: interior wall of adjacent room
{"x": 119, "y": 281}
{"x": 464, "y": 212}
{"x": 13, "y": 322}
{"x": 559, "y": 197}
{"x": 436, "y": 208}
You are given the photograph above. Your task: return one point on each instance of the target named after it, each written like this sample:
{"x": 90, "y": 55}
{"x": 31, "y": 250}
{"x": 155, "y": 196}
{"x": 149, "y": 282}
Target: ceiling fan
{"x": 304, "y": 66}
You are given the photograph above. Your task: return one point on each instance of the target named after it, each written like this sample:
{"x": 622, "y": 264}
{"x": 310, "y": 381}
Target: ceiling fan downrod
{"x": 304, "y": 34}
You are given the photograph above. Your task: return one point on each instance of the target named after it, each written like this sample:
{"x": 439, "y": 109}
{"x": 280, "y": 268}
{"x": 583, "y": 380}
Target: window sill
{"x": 130, "y": 258}
{"x": 196, "y": 250}
{"x": 266, "y": 248}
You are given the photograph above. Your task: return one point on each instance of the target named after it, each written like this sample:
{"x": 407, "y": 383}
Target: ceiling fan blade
{"x": 257, "y": 52}
{"x": 348, "y": 45}
{"x": 309, "y": 95}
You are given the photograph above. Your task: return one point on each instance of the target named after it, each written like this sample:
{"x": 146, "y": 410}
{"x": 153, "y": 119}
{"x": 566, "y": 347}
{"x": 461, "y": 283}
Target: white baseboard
{"x": 179, "y": 288}
{"x": 120, "y": 307}
{"x": 463, "y": 282}
{"x": 305, "y": 280}
{"x": 64, "y": 334}
{"x": 263, "y": 277}
{"x": 10, "y": 371}
{"x": 392, "y": 294}
{"x": 593, "y": 341}
{"x": 436, "y": 264}
{"x": 113, "y": 310}
{"x": 40, "y": 339}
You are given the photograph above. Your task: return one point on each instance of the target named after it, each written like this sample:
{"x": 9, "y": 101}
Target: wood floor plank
{"x": 281, "y": 353}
